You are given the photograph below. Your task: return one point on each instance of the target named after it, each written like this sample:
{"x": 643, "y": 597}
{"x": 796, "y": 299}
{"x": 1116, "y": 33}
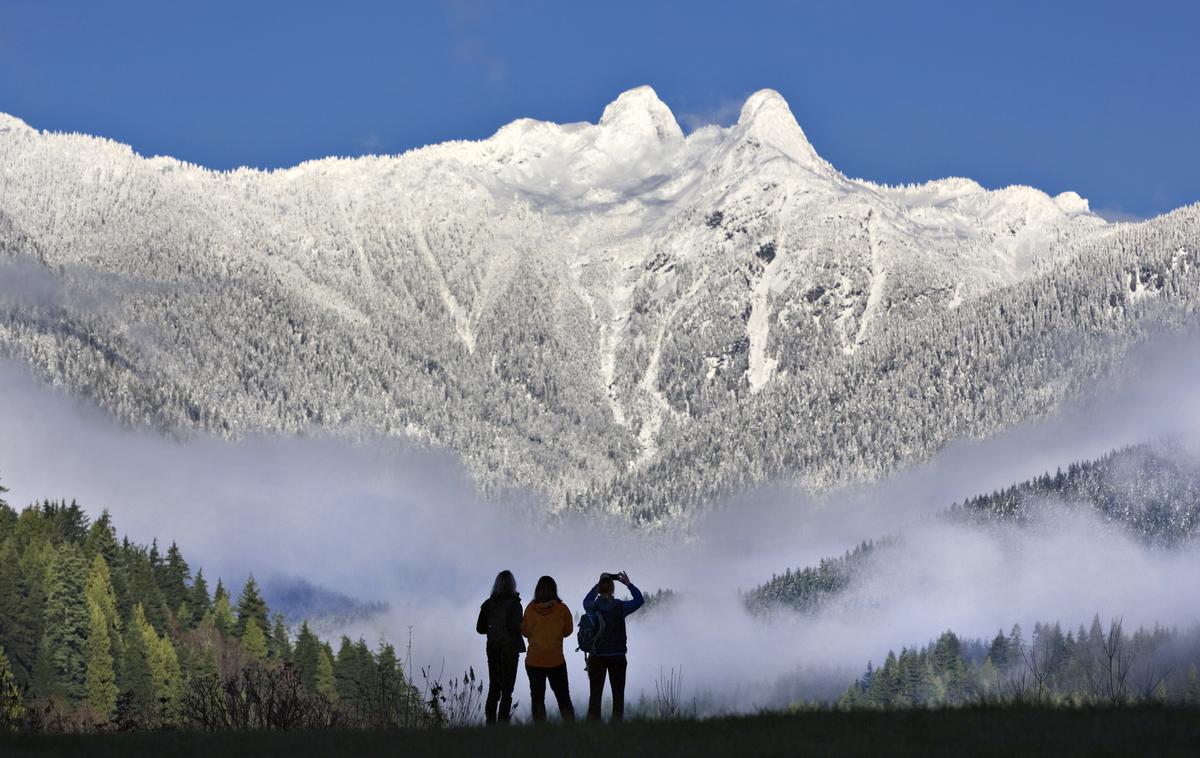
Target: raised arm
{"x": 638, "y": 600}
{"x": 589, "y": 600}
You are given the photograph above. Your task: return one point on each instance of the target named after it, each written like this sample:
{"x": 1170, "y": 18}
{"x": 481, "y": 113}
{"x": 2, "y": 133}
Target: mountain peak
{"x": 640, "y": 112}
{"x": 767, "y": 118}
{"x": 13, "y": 124}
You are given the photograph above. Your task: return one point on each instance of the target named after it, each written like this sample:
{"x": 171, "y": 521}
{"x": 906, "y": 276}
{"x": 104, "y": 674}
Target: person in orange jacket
{"x": 547, "y": 622}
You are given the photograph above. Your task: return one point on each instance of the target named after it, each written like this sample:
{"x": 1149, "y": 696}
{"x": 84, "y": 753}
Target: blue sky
{"x": 1099, "y": 97}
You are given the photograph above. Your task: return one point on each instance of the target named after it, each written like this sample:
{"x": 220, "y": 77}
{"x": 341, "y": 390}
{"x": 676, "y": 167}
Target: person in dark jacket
{"x": 500, "y": 620}
{"x": 608, "y": 656}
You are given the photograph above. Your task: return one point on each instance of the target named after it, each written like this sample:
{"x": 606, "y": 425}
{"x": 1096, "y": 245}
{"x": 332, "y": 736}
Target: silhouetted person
{"x": 500, "y": 620}
{"x": 547, "y": 622}
{"x": 608, "y": 652}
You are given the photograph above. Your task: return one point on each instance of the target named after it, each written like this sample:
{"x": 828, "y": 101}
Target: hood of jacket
{"x": 545, "y": 609}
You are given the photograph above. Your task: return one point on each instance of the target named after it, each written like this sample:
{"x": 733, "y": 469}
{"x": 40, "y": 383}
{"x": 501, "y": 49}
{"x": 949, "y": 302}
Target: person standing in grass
{"x": 547, "y": 621}
{"x": 608, "y": 654}
{"x": 500, "y": 620}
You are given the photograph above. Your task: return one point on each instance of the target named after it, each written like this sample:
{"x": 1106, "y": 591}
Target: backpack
{"x": 591, "y": 630}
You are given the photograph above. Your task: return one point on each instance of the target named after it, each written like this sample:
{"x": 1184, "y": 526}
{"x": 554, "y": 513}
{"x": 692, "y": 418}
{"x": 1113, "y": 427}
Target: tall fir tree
{"x": 102, "y": 540}
{"x": 167, "y": 674}
{"x": 223, "y": 618}
{"x": 138, "y": 668}
{"x": 62, "y": 654}
{"x": 251, "y": 606}
{"x": 35, "y": 563}
{"x": 307, "y": 657}
{"x": 200, "y": 601}
{"x": 325, "y": 683}
{"x": 20, "y": 617}
{"x": 143, "y": 585}
{"x": 174, "y": 578}
{"x": 279, "y": 647}
{"x": 101, "y": 680}
{"x": 99, "y": 591}
{"x": 254, "y": 640}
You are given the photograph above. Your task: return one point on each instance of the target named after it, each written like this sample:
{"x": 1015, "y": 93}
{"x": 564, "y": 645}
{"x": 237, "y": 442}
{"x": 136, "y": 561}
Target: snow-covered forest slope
{"x": 615, "y": 314}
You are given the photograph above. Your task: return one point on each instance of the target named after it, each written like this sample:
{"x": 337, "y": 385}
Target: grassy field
{"x": 984, "y": 732}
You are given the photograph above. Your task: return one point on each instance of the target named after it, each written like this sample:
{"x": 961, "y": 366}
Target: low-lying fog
{"x": 380, "y": 522}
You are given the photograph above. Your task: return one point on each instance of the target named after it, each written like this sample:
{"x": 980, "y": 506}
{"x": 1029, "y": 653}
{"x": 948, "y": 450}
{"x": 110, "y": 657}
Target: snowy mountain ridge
{"x": 568, "y": 306}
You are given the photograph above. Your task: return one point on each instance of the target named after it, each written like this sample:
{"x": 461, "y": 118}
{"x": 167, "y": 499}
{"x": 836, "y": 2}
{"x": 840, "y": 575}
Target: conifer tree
{"x": 102, "y": 540}
{"x": 251, "y": 606}
{"x": 279, "y": 648}
{"x": 254, "y": 640}
{"x": 307, "y": 657}
{"x": 101, "y": 679}
{"x": 143, "y": 585}
{"x": 168, "y": 677}
{"x": 100, "y": 593}
{"x": 20, "y": 618}
{"x": 138, "y": 667}
{"x": 174, "y": 578}
{"x": 62, "y": 654}
{"x": 223, "y": 618}
{"x": 200, "y": 602}
{"x": 325, "y": 683}
{"x": 345, "y": 671}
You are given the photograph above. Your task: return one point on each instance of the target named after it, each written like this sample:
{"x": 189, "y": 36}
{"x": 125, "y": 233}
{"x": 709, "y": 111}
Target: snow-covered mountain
{"x": 617, "y": 314}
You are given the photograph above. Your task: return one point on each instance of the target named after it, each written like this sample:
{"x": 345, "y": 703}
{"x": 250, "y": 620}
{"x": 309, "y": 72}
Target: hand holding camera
{"x": 617, "y": 576}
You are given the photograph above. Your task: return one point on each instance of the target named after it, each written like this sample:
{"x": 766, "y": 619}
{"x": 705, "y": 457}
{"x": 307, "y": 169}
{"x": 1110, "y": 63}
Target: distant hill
{"x": 1151, "y": 491}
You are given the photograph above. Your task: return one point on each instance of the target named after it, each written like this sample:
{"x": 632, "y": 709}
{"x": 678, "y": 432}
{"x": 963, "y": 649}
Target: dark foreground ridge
{"x": 1142, "y": 730}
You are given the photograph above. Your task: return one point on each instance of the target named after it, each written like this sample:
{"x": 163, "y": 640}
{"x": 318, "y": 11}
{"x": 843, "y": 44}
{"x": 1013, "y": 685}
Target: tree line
{"x": 1089, "y": 666}
{"x": 807, "y": 589}
{"x": 101, "y": 633}
{"x": 1151, "y": 490}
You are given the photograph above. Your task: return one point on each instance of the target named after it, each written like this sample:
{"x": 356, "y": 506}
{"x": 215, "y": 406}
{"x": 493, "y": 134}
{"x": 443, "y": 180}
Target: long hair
{"x": 505, "y": 584}
{"x": 546, "y": 590}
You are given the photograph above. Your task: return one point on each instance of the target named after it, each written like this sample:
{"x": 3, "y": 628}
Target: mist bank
{"x": 382, "y": 521}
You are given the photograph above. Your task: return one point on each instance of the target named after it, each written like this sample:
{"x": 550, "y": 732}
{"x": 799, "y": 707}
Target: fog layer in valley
{"x": 382, "y": 522}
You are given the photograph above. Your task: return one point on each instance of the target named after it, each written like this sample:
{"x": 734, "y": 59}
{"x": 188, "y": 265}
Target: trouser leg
{"x": 537, "y": 691}
{"x": 616, "y": 678}
{"x": 562, "y": 692}
{"x": 508, "y": 666}
{"x": 494, "y": 687}
{"x": 596, "y": 670}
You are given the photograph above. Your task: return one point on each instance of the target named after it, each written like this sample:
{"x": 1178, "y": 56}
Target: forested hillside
{"x": 1088, "y": 666}
{"x": 587, "y": 310}
{"x": 101, "y": 632}
{"x": 806, "y": 589}
{"x": 1151, "y": 491}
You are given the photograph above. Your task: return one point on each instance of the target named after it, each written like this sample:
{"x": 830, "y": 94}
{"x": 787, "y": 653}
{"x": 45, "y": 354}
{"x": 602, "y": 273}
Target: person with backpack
{"x": 547, "y": 621}
{"x": 603, "y": 640}
{"x": 500, "y": 620}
